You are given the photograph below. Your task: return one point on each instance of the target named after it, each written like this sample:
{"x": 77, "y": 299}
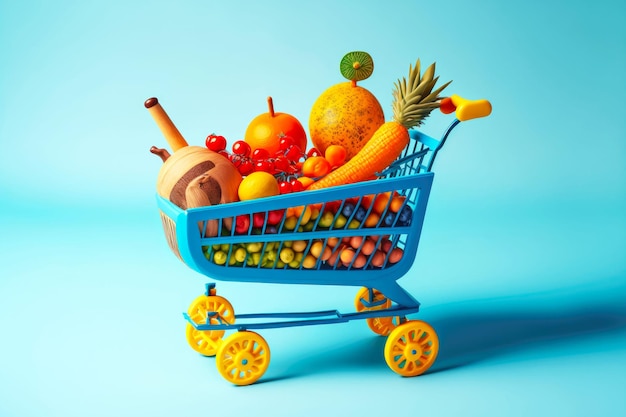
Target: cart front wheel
{"x": 243, "y": 357}
{"x": 206, "y": 342}
{"x": 411, "y": 348}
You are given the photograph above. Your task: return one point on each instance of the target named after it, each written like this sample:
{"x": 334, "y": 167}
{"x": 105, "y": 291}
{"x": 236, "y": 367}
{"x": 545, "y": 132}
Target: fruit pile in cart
{"x": 276, "y": 203}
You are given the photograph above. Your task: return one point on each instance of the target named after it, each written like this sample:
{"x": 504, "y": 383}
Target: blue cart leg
{"x": 393, "y": 291}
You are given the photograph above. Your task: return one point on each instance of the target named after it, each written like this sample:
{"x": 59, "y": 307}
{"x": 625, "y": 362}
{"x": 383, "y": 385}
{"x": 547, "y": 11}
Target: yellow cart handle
{"x": 465, "y": 109}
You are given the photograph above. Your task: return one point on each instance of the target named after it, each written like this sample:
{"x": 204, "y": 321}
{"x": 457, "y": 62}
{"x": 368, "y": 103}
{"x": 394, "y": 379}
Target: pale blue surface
{"x": 522, "y": 261}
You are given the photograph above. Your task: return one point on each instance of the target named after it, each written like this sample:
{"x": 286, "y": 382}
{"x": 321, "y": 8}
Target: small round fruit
{"x": 315, "y": 166}
{"x": 296, "y": 185}
{"x": 309, "y": 262}
{"x": 264, "y": 165}
{"x": 335, "y": 155}
{"x": 284, "y": 187}
{"x": 260, "y": 153}
{"x": 220, "y": 257}
{"x": 313, "y": 152}
{"x": 285, "y": 143}
{"x": 293, "y": 154}
{"x": 245, "y": 166}
{"x": 241, "y": 148}
{"x": 257, "y": 185}
{"x": 286, "y": 255}
{"x": 282, "y": 164}
{"x": 215, "y": 143}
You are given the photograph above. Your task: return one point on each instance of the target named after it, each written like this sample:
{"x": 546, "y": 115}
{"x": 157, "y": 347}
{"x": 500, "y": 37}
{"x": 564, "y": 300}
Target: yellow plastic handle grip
{"x": 470, "y": 109}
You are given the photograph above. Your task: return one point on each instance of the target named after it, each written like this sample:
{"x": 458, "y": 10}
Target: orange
{"x": 315, "y": 166}
{"x": 257, "y": 185}
{"x": 335, "y": 155}
{"x": 345, "y": 114}
{"x": 266, "y": 130}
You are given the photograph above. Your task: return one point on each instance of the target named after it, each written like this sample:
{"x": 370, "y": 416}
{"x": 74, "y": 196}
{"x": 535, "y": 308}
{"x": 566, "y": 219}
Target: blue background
{"x": 522, "y": 260}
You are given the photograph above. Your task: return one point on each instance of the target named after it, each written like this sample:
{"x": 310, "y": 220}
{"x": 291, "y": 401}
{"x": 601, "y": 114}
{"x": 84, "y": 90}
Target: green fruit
{"x": 356, "y": 66}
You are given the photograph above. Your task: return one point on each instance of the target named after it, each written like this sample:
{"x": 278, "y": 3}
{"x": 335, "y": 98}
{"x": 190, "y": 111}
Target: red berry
{"x": 241, "y": 148}
{"x": 313, "y": 152}
{"x": 245, "y": 166}
{"x": 285, "y": 187}
{"x": 294, "y": 153}
{"x": 215, "y": 142}
{"x": 260, "y": 153}
{"x": 264, "y": 165}
{"x": 282, "y": 164}
{"x": 285, "y": 143}
{"x": 296, "y": 186}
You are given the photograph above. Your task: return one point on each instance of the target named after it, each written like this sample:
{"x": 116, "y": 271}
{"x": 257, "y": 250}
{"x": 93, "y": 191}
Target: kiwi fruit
{"x": 356, "y": 65}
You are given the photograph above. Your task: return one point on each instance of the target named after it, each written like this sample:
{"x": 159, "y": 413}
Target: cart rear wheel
{"x": 383, "y": 325}
{"x": 369, "y": 300}
{"x": 411, "y": 348}
{"x": 243, "y": 357}
{"x": 206, "y": 342}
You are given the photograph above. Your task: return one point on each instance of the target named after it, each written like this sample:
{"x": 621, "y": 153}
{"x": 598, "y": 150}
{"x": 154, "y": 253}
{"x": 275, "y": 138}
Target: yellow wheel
{"x": 383, "y": 325}
{"x": 379, "y": 325}
{"x": 243, "y": 358}
{"x": 206, "y": 342}
{"x": 411, "y": 348}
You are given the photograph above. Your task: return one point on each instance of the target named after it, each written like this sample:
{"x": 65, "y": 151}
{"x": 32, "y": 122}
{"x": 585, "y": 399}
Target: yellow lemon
{"x": 257, "y": 185}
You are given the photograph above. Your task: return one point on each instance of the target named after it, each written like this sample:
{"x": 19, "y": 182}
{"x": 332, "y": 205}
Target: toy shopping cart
{"x": 364, "y": 235}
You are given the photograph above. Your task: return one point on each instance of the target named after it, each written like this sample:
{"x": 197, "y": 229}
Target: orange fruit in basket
{"x": 315, "y": 166}
{"x": 258, "y": 184}
{"x": 347, "y": 114}
{"x": 266, "y": 130}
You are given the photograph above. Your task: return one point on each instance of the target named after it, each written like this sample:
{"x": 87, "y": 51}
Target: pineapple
{"x": 414, "y": 100}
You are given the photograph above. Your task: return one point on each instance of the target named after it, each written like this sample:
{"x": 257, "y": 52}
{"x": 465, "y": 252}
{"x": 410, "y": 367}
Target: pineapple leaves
{"x": 414, "y": 99}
